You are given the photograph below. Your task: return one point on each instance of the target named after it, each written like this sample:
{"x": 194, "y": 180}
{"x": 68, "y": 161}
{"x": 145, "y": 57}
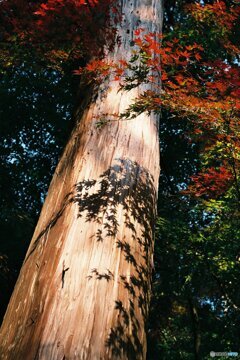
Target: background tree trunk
{"x": 195, "y": 327}
{"x": 83, "y": 291}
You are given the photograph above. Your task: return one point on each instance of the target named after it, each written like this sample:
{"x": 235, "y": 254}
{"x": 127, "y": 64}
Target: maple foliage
{"x": 211, "y": 182}
{"x": 215, "y": 14}
{"x": 54, "y": 31}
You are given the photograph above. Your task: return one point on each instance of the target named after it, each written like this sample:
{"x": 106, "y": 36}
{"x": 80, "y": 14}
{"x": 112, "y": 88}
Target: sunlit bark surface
{"x": 83, "y": 291}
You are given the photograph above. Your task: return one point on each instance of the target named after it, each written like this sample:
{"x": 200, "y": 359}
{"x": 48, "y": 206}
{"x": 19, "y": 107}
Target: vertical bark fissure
{"x": 195, "y": 327}
{"x": 89, "y": 295}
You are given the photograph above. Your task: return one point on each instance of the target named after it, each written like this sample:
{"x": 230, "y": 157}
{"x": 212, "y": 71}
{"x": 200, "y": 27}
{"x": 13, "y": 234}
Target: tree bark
{"x": 195, "y": 326}
{"x": 83, "y": 291}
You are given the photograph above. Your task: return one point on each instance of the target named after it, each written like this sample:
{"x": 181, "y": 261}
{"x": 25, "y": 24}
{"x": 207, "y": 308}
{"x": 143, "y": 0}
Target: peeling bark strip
{"x": 83, "y": 291}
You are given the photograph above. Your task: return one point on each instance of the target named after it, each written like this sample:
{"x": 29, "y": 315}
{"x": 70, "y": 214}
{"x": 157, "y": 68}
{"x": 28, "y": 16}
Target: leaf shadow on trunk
{"x": 127, "y": 189}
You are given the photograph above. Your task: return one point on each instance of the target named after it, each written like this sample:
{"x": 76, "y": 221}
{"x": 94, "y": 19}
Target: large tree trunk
{"x": 83, "y": 291}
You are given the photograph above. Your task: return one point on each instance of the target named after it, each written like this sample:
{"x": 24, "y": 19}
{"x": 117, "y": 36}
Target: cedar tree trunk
{"x": 83, "y": 291}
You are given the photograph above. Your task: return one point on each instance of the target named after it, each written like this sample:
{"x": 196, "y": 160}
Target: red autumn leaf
{"x": 137, "y": 32}
{"x": 164, "y": 76}
{"x": 197, "y": 56}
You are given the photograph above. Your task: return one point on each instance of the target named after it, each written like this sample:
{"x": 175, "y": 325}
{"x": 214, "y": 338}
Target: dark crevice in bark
{"x": 52, "y": 222}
